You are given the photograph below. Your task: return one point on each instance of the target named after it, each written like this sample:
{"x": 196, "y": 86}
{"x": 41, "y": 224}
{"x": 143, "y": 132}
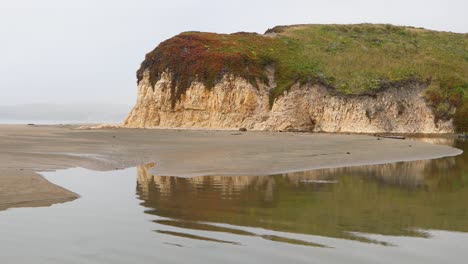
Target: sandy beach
{"x": 25, "y": 151}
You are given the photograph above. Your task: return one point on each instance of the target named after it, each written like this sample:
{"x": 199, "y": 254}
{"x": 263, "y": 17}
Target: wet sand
{"x": 27, "y": 150}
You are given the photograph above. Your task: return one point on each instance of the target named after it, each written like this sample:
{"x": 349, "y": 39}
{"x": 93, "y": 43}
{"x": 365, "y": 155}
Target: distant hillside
{"x": 349, "y": 60}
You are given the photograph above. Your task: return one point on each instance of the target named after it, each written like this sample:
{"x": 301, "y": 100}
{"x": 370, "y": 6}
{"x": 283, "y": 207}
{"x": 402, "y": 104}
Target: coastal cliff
{"x": 205, "y": 80}
{"x": 234, "y": 103}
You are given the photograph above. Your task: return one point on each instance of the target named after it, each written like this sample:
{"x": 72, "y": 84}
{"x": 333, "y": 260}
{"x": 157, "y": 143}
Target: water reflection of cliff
{"x": 390, "y": 199}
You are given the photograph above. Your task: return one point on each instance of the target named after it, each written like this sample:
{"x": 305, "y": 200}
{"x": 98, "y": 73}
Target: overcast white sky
{"x": 89, "y": 50}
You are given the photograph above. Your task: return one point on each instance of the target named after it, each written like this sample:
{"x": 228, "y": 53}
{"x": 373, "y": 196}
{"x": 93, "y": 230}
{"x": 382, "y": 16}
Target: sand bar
{"x": 27, "y": 150}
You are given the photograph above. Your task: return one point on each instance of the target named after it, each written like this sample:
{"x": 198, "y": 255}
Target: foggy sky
{"x": 88, "y": 50}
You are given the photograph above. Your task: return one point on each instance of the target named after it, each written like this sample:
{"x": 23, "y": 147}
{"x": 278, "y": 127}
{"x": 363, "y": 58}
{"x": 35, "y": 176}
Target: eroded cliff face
{"x": 234, "y": 103}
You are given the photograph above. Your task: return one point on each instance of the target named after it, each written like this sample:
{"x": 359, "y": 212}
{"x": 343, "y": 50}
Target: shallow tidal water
{"x": 407, "y": 212}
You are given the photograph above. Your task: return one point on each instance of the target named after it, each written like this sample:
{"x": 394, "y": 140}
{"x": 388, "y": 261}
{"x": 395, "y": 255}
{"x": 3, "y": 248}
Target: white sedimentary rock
{"x": 235, "y": 103}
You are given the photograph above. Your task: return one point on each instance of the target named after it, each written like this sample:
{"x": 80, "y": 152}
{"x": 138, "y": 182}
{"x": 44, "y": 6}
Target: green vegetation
{"x": 348, "y": 59}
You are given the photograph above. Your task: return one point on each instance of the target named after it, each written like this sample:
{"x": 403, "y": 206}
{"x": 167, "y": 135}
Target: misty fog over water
{"x": 63, "y": 113}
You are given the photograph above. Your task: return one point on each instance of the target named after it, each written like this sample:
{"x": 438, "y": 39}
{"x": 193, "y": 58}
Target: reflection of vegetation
{"x": 445, "y": 179}
{"x": 215, "y": 228}
{"x": 291, "y": 241}
{"x": 195, "y": 237}
{"x": 205, "y": 227}
{"x": 392, "y": 199}
{"x": 349, "y": 59}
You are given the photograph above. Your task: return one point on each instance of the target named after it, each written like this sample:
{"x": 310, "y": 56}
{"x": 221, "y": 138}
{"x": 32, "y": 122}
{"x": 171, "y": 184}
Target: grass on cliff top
{"x": 349, "y": 59}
